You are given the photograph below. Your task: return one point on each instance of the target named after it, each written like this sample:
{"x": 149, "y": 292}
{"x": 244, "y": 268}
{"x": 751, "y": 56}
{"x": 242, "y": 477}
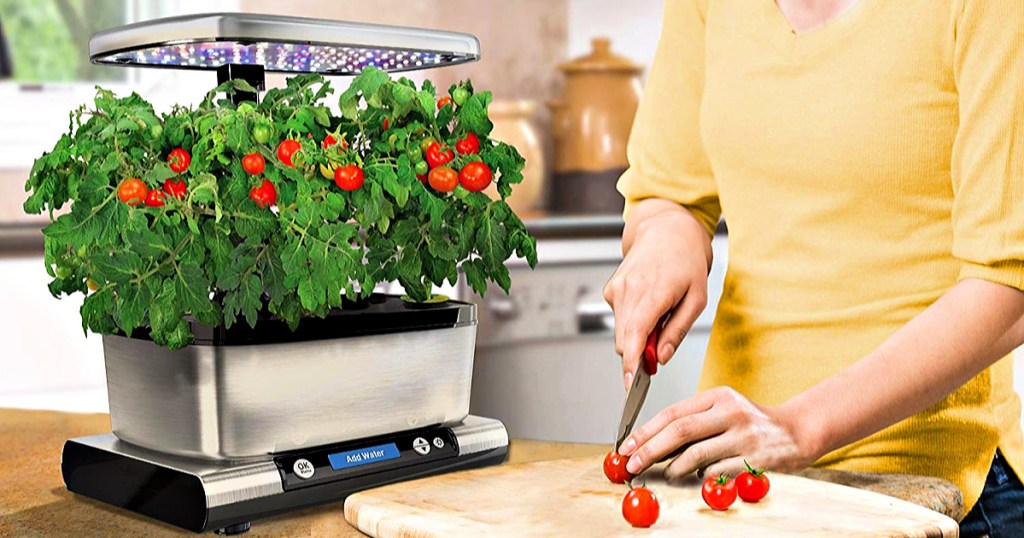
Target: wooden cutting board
{"x": 573, "y": 498}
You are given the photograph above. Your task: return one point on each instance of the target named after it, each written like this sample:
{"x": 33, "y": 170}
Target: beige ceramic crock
{"x": 590, "y": 128}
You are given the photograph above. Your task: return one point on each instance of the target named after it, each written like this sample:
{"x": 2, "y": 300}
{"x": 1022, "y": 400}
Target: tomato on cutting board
{"x": 752, "y": 485}
{"x": 615, "y": 468}
{"x": 640, "y": 507}
{"x": 719, "y": 492}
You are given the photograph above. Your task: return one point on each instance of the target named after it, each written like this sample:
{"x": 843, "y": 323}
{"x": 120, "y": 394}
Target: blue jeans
{"x": 1000, "y": 510}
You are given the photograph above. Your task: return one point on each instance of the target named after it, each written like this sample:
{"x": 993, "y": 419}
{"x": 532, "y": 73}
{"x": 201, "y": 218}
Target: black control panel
{"x": 302, "y": 469}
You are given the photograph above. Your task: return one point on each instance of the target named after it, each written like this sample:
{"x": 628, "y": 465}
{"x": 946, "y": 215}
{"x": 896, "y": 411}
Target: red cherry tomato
{"x": 349, "y": 177}
{"x": 615, "y": 467}
{"x": 422, "y": 178}
{"x": 286, "y": 151}
{"x": 641, "y": 508}
{"x": 443, "y": 179}
{"x": 132, "y": 191}
{"x": 179, "y": 159}
{"x": 253, "y": 164}
{"x": 176, "y": 188}
{"x": 475, "y": 176}
{"x": 385, "y": 124}
{"x": 155, "y": 198}
{"x": 329, "y": 141}
{"x": 436, "y": 157}
{"x": 265, "y": 194}
{"x": 719, "y": 493}
{"x": 468, "y": 145}
{"x": 443, "y": 101}
{"x": 752, "y": 485}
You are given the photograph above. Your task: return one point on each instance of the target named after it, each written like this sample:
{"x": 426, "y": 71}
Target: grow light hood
{"x": 279, "y": 44}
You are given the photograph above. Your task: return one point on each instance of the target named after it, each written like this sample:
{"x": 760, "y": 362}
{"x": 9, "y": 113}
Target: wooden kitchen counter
{"x": 33, "y": 501}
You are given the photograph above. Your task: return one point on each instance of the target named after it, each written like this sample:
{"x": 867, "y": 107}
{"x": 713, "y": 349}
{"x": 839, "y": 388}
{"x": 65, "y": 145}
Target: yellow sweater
{"x": 863, "y": 168}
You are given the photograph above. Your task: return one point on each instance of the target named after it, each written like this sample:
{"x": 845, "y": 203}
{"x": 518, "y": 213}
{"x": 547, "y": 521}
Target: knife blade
{"x": 637, "y": 393}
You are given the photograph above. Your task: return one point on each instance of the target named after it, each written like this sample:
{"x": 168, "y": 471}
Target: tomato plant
{"x": 640, "y": 507}
{"x": 438, "y": 157}
{"x": 468, "y": 145}
{"x": 718, "y": 492}
{"x": 253, "y": 164}
{"x": 179, "y": 159}
{"x": 615, "y": 467}
{"x": 752, "y": 485}
{"x": 175, "y": 187}
{"x": 155, "y": 198}
{"x": 459, "y": 95}
{"x": 475, "y": 176}
{"x": 349, "y": 177}
{"x": 443, "y": 179}
{"x": 264, "y": 194}
{"x": 286, "y": 151}
{"x": 132, "y": 191}
{"x": 229, "y": 246}
{"x": 261, "y": 132}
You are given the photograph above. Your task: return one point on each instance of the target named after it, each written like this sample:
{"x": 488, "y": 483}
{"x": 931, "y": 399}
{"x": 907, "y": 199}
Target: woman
{"x": 868, "y": 156}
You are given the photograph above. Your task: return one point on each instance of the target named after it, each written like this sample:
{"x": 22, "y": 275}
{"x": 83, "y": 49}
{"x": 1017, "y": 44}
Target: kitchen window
{"x": 45, "y": 72}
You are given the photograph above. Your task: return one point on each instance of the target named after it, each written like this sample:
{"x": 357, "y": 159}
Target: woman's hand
{"x": 667, "y": 254}
{"x": 716, "y": 430}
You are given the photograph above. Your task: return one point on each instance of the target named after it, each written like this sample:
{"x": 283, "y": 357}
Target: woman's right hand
{"x": 666, "y": 258}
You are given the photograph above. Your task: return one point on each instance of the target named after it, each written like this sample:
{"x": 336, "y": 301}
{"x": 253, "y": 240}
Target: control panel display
{"x": 422, "y": 447}
{"x": 362, "y": 456}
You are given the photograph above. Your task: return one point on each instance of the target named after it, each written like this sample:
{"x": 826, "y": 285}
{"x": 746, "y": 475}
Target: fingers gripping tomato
{"x": 264, "y": 195}
{"x": 443, "y": 179}
{"x": 132, "y": 191}
{"x": 253, "y": 164}
{"x": 286, "y": 151}
{"x": 176, "y": 188}
{"x": 615, "y": 468}
{"x": 718, "y": 493}
{"x": 475, "y": 176}
{"x": 752, "y": 485}
{"x": 178, "y": 160}
{"x": 640, "y": 507}
{"x": 468, "y": 145}
{"x": 436, "y": 157}
{"x": 349, "y": 177}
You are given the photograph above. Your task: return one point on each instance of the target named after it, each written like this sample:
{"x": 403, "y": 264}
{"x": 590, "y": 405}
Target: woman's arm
{"x": 666, "y": 258}
{"x": 967, "y": 330}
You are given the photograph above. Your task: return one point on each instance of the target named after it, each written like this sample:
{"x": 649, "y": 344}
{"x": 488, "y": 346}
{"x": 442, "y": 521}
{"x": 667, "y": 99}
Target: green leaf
{"x": 473, "y": 114}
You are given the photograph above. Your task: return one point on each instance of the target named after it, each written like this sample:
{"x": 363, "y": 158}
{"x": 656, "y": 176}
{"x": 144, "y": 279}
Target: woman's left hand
{"x": 718, "y": 429}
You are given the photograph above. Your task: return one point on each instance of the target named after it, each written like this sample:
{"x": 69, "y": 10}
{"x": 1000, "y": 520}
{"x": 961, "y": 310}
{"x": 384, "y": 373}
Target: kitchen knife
{"x": 638, "y": 389}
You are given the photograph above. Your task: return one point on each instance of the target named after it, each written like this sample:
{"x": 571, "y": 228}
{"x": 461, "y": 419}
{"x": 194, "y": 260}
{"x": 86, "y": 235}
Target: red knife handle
{"x": 650, "y": 362}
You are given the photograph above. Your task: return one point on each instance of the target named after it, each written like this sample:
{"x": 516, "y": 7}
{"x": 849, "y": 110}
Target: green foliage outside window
{"x": 48, "y": 40}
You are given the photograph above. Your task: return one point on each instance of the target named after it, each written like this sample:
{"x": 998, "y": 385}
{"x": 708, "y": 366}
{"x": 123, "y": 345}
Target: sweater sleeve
{"x": 665, "y": 152}
{"x": 988, "y": 154}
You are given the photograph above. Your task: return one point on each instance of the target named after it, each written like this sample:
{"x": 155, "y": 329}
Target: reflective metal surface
{"x": 634, "y": 402}
{"x": 281, "y": 44}
{"x": 223, "y": 482}
{"x": 477, "y": 434}
{"x": 239, "y": 402}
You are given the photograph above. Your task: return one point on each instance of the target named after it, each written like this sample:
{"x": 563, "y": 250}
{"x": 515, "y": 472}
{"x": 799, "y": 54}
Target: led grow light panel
{"x": 279, "y": 44}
